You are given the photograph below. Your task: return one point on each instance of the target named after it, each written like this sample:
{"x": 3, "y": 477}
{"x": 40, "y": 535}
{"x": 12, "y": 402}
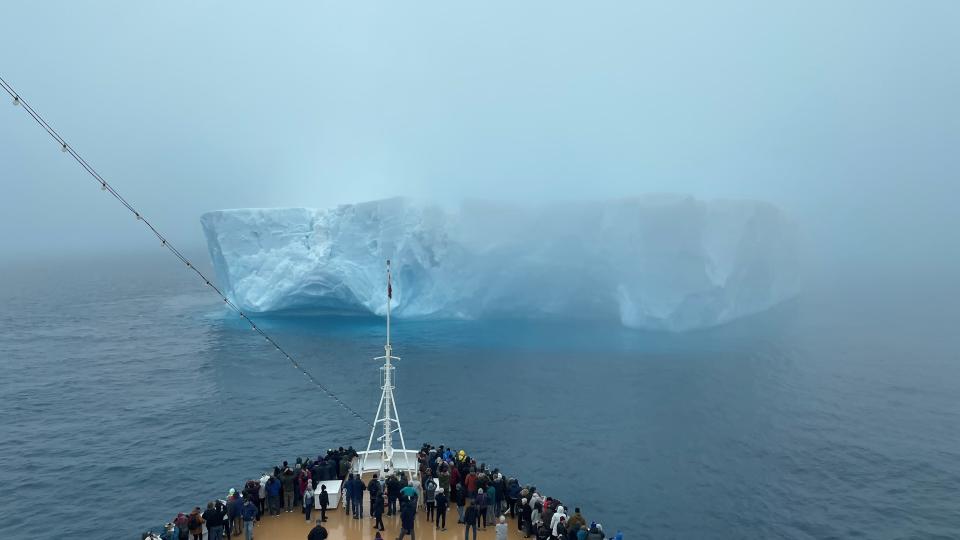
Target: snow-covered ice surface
{"x": 654, "y": 262}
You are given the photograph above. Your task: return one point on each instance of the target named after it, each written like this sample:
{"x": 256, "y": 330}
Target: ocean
{"x": 128, "y": 394}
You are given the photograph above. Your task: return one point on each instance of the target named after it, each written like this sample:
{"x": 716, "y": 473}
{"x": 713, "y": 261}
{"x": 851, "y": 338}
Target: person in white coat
{"x": 555, "y": 520}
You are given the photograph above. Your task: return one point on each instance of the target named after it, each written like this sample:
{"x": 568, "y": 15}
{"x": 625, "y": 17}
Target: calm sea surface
{"x": 127, "y": 394}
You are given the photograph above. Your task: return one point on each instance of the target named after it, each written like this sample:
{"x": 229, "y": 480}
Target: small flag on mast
{"x": 389, "y": 284}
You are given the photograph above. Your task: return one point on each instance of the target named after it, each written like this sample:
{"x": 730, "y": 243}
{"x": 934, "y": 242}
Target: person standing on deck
{"x": 262, "y": 496}
{"x": 287, "y": 479}
{"x": 502, "y": 528}
{"x": 213, "y": 516}
{"x": 481, "y": 502}
{"x": 442, "y": 503}
{"x": 273, "y": 496}
{"x": 308, "y": 500}
{"x": 393, "y": 494}
{"x": 576, "y": 521}
{"x": 318, "y": 532}
{"x": 248, "y": 513}
{"x": 443, "y": 479}
{"x": 374, "y": 488}
{"x": 408, "y": 514}
{"x": 234, "y": 504}
{"x": 513, "y": 495}
{"x": 376, "y": 511}
{"x": 471, "y": 483}
{"x": 195, "y": 524}
{"x": 555, "y": 520}
{"x": 180, "y": 527}
{"x": 524, "y": 517}
{"x": 347, "y": 493}
{"x": 358, "y": 488}
{"x": 408, "y": 493}
{"x": 470, "y": 517}
{"x": 324, "y": 502}
{"x": 429, "y": 497}
{"x": 492, "y": 507}
{"x": 460, "y": 497}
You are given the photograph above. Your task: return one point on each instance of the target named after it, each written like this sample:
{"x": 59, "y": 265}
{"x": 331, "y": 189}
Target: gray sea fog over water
{"x": 126, "y": 390}
{"x": 128, "y": 386}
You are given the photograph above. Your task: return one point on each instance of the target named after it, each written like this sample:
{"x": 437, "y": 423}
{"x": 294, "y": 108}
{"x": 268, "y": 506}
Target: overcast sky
{"x": 844, "y": 113}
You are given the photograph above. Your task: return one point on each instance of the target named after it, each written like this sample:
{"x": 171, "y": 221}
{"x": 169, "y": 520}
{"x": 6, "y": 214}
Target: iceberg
{"x": 659, "y": 262}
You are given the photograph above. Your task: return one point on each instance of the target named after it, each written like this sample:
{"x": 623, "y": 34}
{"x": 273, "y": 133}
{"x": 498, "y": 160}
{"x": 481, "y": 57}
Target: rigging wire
{"x": 106, "y": 186}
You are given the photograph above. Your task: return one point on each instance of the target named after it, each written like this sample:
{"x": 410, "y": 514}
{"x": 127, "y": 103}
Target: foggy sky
{"x": 844, "y": 113}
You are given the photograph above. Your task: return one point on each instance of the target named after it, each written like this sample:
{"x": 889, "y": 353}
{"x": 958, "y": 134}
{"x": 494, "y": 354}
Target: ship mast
{"x": 387, "y": 416}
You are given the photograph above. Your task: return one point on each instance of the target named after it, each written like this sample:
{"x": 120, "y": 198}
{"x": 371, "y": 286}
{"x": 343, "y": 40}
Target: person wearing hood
{"x": 555, "y": 521}
{"x": 180, "y": 531}
{"x": 262, "y": 495}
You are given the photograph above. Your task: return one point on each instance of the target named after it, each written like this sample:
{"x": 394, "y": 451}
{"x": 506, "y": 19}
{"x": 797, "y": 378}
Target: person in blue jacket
{"x": 358, "y": 488}
{"x": 249, "y": 514}
{"x": 348, "y": 494}
{"x": 273, "y": 495}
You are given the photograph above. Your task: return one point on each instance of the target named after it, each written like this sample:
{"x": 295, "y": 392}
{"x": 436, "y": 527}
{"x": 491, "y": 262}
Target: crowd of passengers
{"x": 482, "y": 497}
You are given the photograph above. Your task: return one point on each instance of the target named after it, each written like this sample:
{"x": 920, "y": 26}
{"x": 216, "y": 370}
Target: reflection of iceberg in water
{"x": 661, "y": 262}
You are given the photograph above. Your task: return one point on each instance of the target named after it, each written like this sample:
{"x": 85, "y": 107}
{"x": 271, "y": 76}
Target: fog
{"x": 844, "y": 114}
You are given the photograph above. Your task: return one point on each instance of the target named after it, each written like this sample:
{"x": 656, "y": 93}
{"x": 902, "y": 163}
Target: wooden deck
{"x": 291, "y": 526}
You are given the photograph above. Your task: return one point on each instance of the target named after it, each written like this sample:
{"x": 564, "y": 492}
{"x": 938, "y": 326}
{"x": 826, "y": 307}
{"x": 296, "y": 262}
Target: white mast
{"x": 387, "y": 410}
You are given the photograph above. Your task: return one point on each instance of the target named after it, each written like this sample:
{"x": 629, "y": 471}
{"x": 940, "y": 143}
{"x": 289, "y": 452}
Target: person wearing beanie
{"x": 441, "y": 501}
{"x": 502, "y": 528}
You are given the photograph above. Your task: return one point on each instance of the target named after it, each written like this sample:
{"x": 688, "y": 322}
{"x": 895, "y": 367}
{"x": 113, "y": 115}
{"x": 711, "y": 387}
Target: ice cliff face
{"x": 657, "y": 262}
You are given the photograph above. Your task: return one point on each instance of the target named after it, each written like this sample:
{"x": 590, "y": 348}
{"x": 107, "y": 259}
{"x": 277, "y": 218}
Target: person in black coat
{"x": 376, "y": 510}
{"x": 442, "y": 504}
{"x": 470, "y": 518}
{"x": 408, "y": 514}
{"x": 324, "y": 500}
{"x": 393, "y": 493}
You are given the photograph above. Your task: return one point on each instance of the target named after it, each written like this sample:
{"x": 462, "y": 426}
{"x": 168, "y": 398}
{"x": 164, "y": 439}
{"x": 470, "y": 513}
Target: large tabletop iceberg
{"x": 656, "y": 262}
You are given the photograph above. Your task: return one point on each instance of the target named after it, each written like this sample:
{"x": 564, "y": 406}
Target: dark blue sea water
{"x": 128, "y": 394}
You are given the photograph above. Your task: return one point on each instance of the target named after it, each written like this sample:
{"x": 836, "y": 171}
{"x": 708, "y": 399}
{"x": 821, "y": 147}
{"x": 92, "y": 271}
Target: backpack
{"x": 193, "y": 522}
